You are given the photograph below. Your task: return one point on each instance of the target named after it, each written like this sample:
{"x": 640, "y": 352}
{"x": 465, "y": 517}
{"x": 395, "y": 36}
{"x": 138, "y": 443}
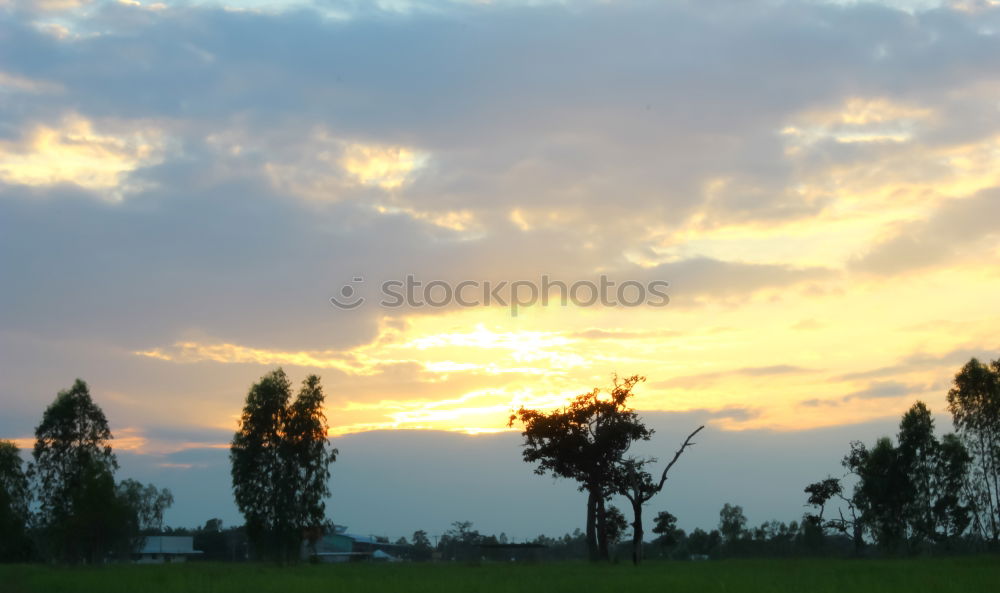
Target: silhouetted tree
{"x": 820, "y": 494}
{"x": 974, "y": 403}
{"x": 616, "y": 525}
{"x": 211, "y": 540}
{"x": 882, "y": 491}
{"x": 936, "y": 470}
{"x": 702, "y": 543}
{"x": 665, "y": 527}
{"x": 147, "y": 501}
{"x": 585, "y": 441}
{"x": 910, "y": 493}
{"x": 80, "y": 517}
{"x": 461, "y": 542}
{"x": 144, "y": 505}
{"x": 280, "y": 464}
{"x": 636, "y": 484}
{"x": 952, "y": 513}
{"x": 421, "y": 546}
{"x": 732, "y": 524}
{"x": 15, "y": 498}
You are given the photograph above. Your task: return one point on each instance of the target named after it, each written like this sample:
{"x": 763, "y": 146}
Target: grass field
{"x": 935, "y": 574}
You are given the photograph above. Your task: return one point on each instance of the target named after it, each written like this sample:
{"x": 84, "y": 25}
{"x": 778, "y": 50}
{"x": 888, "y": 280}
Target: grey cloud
{"x": 921, "y": 360}
{"x": 574, "y": 111}
{"x": 880, "y": 389}
{"x": 956, "y": 228}
{"x": 688, "y": 381}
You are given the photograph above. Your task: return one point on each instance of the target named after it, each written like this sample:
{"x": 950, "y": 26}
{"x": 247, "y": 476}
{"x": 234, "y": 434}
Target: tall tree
{"x": 15, "y": 497}
{"x": 79, "y": 515}
{"x": 144, "y": 505}
{"x": 974, "y": 403}
{"x": 910, "y": 493}
{"x": 732, "y": 523}
{"x": 280, "y": 460}
{"x": 917, "y": 454}
{"x": 636, "y": 484}
{"x": 421, "y": 548}
{"x": 936, "y": 470}
{"x": 584, "y": 441}
{"x": 882, "y": 491}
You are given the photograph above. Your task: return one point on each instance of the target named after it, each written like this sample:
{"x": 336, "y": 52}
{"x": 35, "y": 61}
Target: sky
{"x": 185, "y": 185}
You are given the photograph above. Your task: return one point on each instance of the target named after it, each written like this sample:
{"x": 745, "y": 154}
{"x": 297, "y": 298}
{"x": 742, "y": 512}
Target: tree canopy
{"x": 280, "y": 460}
{"x": 79, "y": 515}
{"x": 974, "y": 403}
{"x": 15, "y": 497}
{"x": 584, "y": 441}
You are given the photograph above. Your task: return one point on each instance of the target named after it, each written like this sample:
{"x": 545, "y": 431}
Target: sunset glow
{"x": 187, "y": 189}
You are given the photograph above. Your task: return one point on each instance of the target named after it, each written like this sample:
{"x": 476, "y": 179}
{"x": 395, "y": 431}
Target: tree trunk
{"x": 604, "y": 551}
{"x": 592, "y": 547}
{"x": 637, "y": 533}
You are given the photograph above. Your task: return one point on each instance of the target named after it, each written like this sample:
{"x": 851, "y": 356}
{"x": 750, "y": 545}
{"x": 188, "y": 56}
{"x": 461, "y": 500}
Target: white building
{"x": 159, "y": 549}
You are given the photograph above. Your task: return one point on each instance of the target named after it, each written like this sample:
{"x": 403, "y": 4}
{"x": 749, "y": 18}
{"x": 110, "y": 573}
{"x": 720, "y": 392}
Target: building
{"x": 161, "y": 549}
{"x": 340, "y": 546}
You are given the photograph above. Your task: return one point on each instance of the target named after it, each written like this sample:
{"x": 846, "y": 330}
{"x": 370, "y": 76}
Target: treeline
{"x": 917, "y": 493}
{"x": 66, "y": 505}
{"x": 923, "y": 493}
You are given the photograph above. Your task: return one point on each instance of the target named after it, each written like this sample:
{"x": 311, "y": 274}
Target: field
{"x": 912, "y": 575}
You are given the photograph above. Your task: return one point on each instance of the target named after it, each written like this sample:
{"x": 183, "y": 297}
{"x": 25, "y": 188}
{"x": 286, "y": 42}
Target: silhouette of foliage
{"x": 15, "y": 498}
{"x": 732, "y": 523}
{"x": 636, "y": 484}
{"x": 974, "y": 403}
{"x": 665, "y": 527}
{"x": 585, "y": 441}
{"x": 80, "y": 518}
{"x": 280, "y": 460}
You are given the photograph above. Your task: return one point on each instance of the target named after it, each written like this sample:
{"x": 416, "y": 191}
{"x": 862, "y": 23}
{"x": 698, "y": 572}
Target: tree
{"x": 952, "y": 514}
{"x": 585, "y": 441}
{"x": 79, "y": 516}
{"x": 882, "y": 492}
{"x": 732, "y": 523}
{"x": 616, "y": 525}
{"x": 280, "y": 460}
{"x": 638, "y": 486}
{"x": 422, "y": 548}
{"x": 665, "y": 527}
{"x": 936, "y": 470}
{"x": 910, "y": 493}
{"x": 702, "y": 543}
{"x": 461, "y": 542}
{"x": 974, "y": 403}
{"x": 144, "y": 505}
{"x": 820, "y": 494}
{"x": 15, "y": 498}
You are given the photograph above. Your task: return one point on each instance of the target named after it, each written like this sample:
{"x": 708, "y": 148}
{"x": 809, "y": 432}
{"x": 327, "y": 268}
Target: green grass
{"x": 937, "y": 575}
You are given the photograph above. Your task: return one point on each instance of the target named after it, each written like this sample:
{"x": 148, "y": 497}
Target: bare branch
{"x": 677, "y": 455}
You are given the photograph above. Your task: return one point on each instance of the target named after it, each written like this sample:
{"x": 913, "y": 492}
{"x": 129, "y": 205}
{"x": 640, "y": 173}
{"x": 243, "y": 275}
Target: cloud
{"x": 968, "y": 227}
{"x": 888, "y": 389}
{"x": 701, "y": 379}
{"x": 74, "y": 152}
{"x": 921, "y": 361}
